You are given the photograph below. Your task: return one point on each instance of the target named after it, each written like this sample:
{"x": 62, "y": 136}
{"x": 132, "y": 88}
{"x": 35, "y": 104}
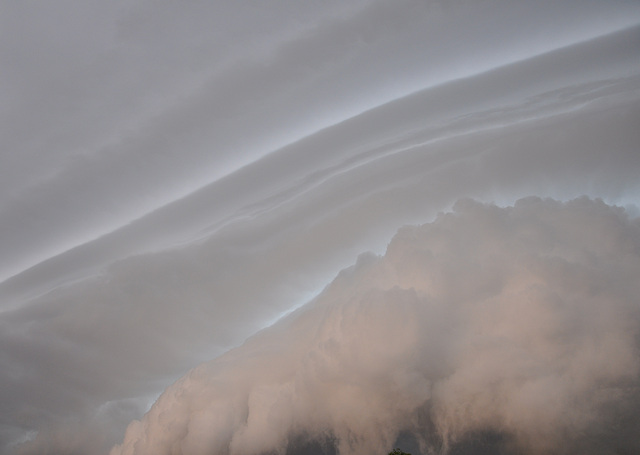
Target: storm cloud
{"x": 174, "y": 178}
{"x": 521, "y": 321}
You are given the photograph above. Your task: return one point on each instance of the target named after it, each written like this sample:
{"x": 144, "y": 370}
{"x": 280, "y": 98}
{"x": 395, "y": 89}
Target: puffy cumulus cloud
{"x": 489, "y": 330}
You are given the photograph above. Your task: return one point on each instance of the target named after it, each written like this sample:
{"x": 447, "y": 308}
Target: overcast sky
{"x": 177, "y": 176}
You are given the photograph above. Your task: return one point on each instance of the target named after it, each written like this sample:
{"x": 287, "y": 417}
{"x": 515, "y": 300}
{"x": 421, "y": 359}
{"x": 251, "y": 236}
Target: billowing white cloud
{"x": 174, "y": 178}
{"x": 522, "y": 322}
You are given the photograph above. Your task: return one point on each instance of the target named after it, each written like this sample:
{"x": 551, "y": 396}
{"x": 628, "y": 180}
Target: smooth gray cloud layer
{"x": 175, "y": 177}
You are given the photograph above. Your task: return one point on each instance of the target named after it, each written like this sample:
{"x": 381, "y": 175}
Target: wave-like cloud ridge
{"x": 489, "y": 330}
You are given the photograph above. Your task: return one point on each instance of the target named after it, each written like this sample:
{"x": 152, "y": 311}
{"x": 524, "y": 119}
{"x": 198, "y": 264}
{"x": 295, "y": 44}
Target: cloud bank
{"x": 175, "y": 178}
{"x": 521, "y": 323}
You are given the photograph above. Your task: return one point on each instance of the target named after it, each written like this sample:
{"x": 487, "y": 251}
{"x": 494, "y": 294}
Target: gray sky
{"x": 175, "y": 176}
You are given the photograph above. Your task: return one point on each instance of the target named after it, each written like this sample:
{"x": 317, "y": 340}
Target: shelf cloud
{"x": 181, "y": 185}
{"x": 521, "y": 322}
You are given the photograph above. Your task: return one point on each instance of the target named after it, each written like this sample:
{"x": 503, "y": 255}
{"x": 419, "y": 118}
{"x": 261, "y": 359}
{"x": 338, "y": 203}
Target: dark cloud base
{"x": 619, "y": 438}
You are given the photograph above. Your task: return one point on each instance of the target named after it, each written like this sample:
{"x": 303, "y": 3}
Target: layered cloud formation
{"x": 174, "y": 178}
{"x": 520, "y": 322}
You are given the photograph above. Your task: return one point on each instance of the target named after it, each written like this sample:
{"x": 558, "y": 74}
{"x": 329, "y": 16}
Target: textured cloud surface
{"x": 520, "y": 321}
{"x": 175, "y": 177}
